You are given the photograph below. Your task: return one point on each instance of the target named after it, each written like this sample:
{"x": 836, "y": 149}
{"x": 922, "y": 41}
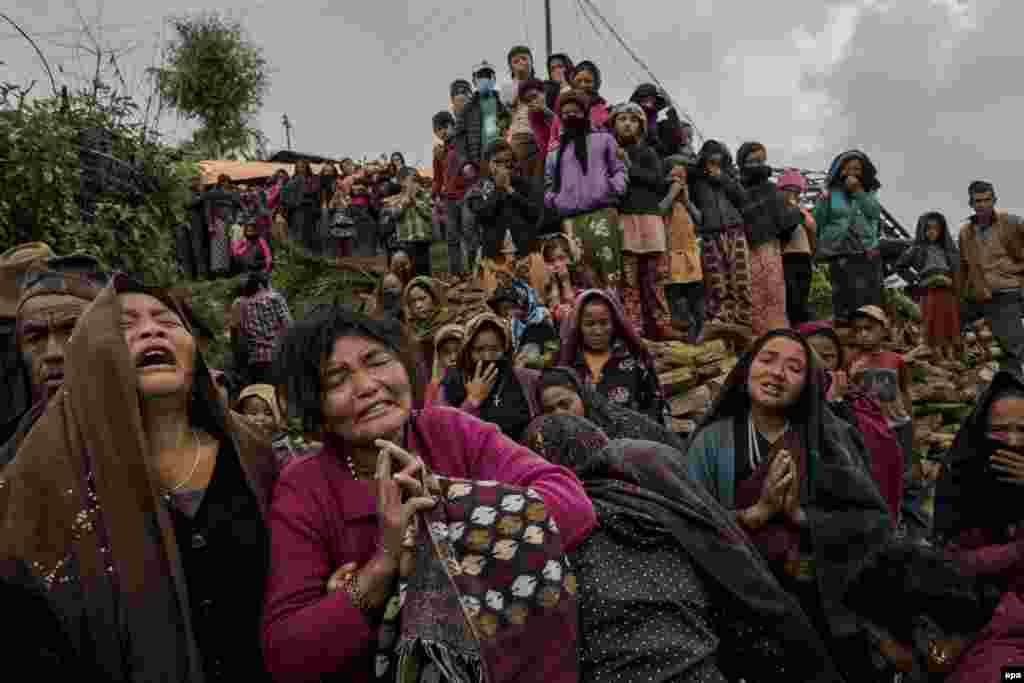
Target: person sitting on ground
{"x": 534, "y": 337}
{"x": 448, "y": 342}
{"x": 486, "y": 383}
{"x": 607, "y": 354}
{"x": 670, "y": 588}
{"x": 978, "y": 523}
{"x": 798, "y": 479}
{"x": 138, "y": 472}
{"x": 356, "y": 590}
{"x": 424, "y": 311}
{"x": 859, "y": 408}
{"x": 560, "y": 392}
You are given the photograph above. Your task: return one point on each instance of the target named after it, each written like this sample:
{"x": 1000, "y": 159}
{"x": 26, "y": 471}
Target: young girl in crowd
{"x": 725, "y": 253}
{"x": 770, "y": 220}
{"x": 608, "y": 354}
{"x": 559, "y": 291}
{"x": 798, "y": 250}
{"x": 936, "y": 264}
{"x": 644, "y": 264}
{"x": 585, "y": 179}
{"x": 685, "y": 288}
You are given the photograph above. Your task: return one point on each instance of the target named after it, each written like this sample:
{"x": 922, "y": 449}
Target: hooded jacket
{"x": 765, "y": 212}
{"x": 647, "y": 181}
{"x": 600, "y": 187}
{"x": 848, "y": 223}
{"x": 719, "y": 200}
{"x": 469, "y": 129}
{"x": 517, "y": 212}
{"x": 916, "y": 257}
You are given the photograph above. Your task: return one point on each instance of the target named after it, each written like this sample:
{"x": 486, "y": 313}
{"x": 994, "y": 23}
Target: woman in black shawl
{"x": 560, "y": 392}
{"x": 137, "y": 501}
{"x": 302, "y": 199}
{"x": 978, "y": 518}
{"x": 670, "y": 588}
{"x": 799, "y": 480}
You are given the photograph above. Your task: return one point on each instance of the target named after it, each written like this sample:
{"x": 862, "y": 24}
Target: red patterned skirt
{"x": 941, "y": 312}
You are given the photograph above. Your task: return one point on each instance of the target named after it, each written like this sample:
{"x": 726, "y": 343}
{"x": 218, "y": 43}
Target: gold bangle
{"x": 350, "y": 583}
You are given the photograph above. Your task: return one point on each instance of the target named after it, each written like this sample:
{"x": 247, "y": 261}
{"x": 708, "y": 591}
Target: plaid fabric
{"x": 264, "y": 316}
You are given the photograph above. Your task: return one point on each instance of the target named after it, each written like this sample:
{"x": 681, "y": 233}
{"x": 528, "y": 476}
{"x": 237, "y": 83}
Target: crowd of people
{"x": 384, "y": 491}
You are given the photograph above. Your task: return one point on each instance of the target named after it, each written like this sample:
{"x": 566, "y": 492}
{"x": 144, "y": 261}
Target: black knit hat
{"x": 649, "y": 90}
{"x": 588, "y": 65}
{"x": 443, "y": 119}
{"x": 460, "y": 85}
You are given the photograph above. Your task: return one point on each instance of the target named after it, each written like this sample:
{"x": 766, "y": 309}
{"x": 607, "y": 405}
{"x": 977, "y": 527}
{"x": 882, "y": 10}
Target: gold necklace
{"x": 195, "y": 466}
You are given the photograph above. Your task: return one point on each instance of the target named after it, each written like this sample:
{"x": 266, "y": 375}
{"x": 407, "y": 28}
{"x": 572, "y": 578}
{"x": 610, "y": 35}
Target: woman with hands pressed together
{"x": 797, "y": 478}
{"x": 356, "y": 589}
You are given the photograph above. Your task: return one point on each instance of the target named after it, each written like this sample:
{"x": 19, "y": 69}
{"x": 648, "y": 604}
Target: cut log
{"x": 693, "y": 402}
{"x": 677, "y": 381}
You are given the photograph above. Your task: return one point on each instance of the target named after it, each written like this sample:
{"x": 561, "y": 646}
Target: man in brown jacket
{"x": 992, "y": 270}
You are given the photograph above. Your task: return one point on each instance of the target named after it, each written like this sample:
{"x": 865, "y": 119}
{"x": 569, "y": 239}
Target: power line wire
{"x": 603, "y": 41}
{"x": 643, "y": 65}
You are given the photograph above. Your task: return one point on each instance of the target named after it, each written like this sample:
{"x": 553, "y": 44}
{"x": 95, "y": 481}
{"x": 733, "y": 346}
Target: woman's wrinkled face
{"x": 258, "y": 411}
{"x": 1006, "y": 421}
{"x": 162, "y": 349}
{"x": 584, "y": 80}
{"x": 487, "y": 346}
{"x": 45, "y": 324}
{"x": 561, "y": 401}
{"x": 421, "y": 303}
{"x": 791, "y": 196}
{"x": 778, "y": 374}
{"x": 597, "y": 326}
{"x": 826, "y": 350}
{"x": 448, "y": 353}
{"x": 366, "y": 391}
{"x": 852, "y": 167}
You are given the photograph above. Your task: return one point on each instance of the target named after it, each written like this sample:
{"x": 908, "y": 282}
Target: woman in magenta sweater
{"x": 355, "y": 588}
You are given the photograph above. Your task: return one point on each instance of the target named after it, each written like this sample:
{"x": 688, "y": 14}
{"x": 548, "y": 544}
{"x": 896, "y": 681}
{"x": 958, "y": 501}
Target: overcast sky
{"x": 930, "y": 89}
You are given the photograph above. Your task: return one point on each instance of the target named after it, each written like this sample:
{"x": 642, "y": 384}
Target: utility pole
{"x": 287, "y": 131}
{"x": 547, "y": 25}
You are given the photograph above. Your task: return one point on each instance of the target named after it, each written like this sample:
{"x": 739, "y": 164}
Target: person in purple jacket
{"x": 355, "y": 584}
{"x": 585, "y": 179}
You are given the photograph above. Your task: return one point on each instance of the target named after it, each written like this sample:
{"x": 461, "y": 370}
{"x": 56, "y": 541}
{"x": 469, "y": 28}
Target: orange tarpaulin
{"x": 240, "y": 171}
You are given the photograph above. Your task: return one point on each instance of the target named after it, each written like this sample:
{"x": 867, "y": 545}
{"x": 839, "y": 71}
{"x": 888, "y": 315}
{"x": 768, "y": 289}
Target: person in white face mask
{"x": 480, "y": 123}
